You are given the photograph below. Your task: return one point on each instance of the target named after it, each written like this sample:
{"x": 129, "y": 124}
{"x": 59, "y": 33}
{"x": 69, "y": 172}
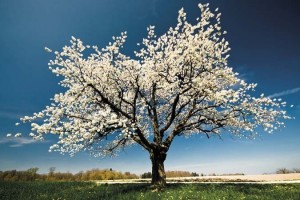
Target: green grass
{"x": 88, "y": 190}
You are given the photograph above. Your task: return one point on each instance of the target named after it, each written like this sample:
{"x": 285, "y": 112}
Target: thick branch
{"x": 143, "y": 141}
{"x": 134, "y": 103}
{"x": 154, "y": 119}
{"x": 179, "y": 126}
{"x": 173, "y": 115}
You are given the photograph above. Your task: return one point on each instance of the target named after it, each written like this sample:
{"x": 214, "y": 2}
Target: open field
{"x": 90, "y": 190}
{"x": 261, "y": 179}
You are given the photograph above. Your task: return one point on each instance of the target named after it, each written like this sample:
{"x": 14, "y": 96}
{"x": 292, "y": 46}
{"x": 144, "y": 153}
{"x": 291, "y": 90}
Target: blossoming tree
{"x": 178, "y": 84}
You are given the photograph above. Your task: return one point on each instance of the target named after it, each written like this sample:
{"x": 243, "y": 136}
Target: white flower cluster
{"x": 178, "y": 84}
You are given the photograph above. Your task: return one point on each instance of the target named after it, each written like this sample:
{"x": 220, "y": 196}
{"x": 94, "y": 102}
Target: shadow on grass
{"x": 88, "y": 190}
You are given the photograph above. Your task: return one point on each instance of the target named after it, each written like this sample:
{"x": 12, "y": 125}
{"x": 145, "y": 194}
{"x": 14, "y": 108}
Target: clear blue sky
{"x": 264, "y": 37}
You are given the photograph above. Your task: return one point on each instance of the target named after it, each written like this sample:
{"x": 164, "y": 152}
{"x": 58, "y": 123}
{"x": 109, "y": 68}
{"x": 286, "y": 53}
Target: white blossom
{"x": 178, "y": 83}
{"x": 31, "y": 134}
{"x": 18, "y": 134}
{"x": 48, "y": 50}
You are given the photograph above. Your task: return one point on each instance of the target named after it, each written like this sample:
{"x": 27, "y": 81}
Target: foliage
{"x": 180, "y": 174}
{"x": 14, "y": 175}
{"x": 194, "y": 174}
{"x": 146, "y": 175}
{"x": 89, "y": 190}
{"x": 170, "y": 174}
{"x": 52, "y": 170}
{"x": 179, "y": 84}
{"x": 94, "y": 174}
{"x": 287, "y": 171}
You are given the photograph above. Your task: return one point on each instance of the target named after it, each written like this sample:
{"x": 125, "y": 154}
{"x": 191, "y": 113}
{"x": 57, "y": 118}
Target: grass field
{"x": 89, "y": 190}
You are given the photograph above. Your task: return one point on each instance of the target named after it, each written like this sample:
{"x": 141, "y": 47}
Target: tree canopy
{"x": 177, "y": 84}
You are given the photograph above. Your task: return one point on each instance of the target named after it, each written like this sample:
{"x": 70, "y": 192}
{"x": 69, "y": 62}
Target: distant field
{"x": 89, "y": 190}
{"x": 262, "y": 179}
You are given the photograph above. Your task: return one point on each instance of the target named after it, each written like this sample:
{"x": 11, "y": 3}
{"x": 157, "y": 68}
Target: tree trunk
{"x": 158, "y": 170}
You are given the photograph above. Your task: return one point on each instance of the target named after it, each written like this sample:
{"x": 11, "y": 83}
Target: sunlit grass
{"x": 89, "y": 190}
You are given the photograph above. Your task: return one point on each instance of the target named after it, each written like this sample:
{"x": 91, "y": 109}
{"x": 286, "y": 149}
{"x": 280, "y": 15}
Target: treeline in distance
{"x": 93, "y": 174}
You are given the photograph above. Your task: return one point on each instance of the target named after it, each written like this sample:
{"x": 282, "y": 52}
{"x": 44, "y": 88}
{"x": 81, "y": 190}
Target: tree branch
{"x": 154, "y": 119}
{"x": 111, "y": 105}
{"x": 173, "y": 115}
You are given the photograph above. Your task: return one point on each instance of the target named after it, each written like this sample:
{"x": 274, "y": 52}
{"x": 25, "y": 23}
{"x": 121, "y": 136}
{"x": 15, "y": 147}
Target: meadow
{"x": 89, "y": 190}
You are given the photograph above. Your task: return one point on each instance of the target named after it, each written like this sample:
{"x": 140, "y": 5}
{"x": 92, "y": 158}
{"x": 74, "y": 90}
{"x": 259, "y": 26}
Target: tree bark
{"x": 158, "y": 170}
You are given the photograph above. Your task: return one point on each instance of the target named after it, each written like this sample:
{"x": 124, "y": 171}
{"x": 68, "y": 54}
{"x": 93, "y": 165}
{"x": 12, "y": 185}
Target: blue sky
{"x": 265, "y": 43}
